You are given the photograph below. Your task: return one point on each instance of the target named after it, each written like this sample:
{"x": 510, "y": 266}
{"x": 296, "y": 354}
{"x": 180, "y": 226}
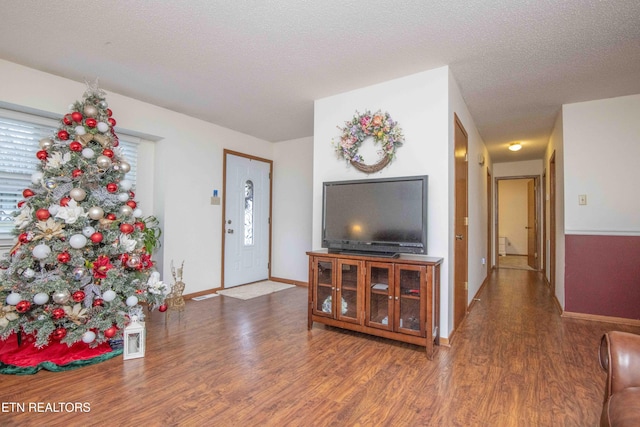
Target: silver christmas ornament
{"x": 90, "y": 111}
{"x": 103, "y": 104}
{"x": 125, "y": 167}
{"x": 46, "y": 143}
{"x": 61, "y": 297}
{"x": 79, "y": 273}
{"x": 126, "y": 210}
{"x": 103, "y": 162}
{"x": 96, "y": 212}
{"x": 133, "y": 261}
{"x": 78, "y": 194}
{"x": 50, "y": 184}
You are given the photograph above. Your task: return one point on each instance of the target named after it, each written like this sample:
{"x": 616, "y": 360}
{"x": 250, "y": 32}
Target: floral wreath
{"x": 377, "y": 125}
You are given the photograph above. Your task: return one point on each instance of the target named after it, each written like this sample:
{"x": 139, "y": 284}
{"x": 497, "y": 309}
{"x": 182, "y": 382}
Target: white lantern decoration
{"x": 41, "y": 251}
{"x": 126, "y": 185}
{"x": 134, "y": 338}
{"x": 123, "y": 197}
{"x": 132, "y": 300}
{"x": 88, "y": 337}
{"x": 88, "y": 231}
{"x": 108, "y": 295}
{"x": 78, "y": 241}
{"x": 80, "y": 130}
{"x": 41, "y": 298}
{"x": 88, "y": 153}
{"x": 103, "y": 127}
{"x": 54, "y": 209}
{"x": 36, "y": 177}
{"x": 13, "y": 298}
{"x": 137, "y": 212}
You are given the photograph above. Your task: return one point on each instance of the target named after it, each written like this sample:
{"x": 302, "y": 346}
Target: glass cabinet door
{"x": 379, "y": 298}
{"x": 347, "y": 304}
{"x": 411, "y": 285}
{"x": 325, "y": 279}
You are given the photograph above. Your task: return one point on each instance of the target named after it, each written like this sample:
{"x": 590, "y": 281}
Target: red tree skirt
{"x": 27, "y": 359}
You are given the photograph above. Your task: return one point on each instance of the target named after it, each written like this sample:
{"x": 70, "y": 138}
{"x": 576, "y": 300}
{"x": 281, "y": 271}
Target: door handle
{"x": 230, "y": 231}
{"x": 458, "y": 236}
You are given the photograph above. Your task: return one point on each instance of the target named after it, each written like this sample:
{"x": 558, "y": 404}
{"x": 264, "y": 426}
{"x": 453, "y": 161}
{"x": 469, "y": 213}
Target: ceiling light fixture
{"x": 515, "y": 146}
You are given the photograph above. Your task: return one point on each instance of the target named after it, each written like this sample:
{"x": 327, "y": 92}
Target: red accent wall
{"x": 602, "y": 275}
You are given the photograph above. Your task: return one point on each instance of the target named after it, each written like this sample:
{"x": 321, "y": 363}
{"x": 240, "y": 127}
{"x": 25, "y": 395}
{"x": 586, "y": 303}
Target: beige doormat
{"x": 254, "y": 290}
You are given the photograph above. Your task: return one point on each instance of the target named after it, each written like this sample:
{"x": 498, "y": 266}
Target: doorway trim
{"x": 226, "y": 153}
{"x": 537, "y": 192}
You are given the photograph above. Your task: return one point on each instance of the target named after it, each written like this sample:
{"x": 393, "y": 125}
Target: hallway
{"x": 513, "y": 362}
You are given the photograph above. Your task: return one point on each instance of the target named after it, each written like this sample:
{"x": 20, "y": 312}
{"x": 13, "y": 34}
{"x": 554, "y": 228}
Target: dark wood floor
{"x": 227, "y": 362}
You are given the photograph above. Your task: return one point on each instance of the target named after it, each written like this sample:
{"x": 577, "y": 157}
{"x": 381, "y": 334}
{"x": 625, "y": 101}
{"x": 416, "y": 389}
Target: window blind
{"x": 20, "y": 134}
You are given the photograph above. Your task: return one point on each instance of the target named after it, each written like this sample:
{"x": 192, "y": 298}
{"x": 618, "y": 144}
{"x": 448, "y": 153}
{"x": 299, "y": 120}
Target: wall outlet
{"x": 215, "y": 200}
{"x": 582, "y": 199}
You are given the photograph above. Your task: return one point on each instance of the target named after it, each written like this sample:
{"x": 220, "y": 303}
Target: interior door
{"x": 460, "y": 227}
{"x": 247, "y": 211}
{"x": 532, "y": 253}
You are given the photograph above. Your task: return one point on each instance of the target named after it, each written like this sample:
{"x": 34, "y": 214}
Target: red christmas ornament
{"x": 112, "y": 121}
{"x": 139, "y": 225}
{"x": 91, "y": 122}
{"x": 76, "y": 173}
{"x": 27, "y": 193}
{"x": 21, "y": 203}
{"x": 126, "y": 228}
{"x": 75, "y": 146}
{"x": 58, "y": 313}
{"x": 65, "y": 201}
{"x": 109, "y": 112}
{"x": 131, "y": 204}
{"x": 98, "y": 302}
{"x": 112, "y": 187}
{"x": 77, "y": 117}
{"x": 162, "y": 308}
{"x": 78, "y": 296}
{"x": 132, "y": 194}
{"x": 42, "y": 155}
{"x": 42, "y": 214}
{"x": 23, "y": 306}
{"x": 63, "y": 135}
{"x": 67, "y": 119}
{"x": 24, "y": 238}
{"x": 110, "y": 332}
{"x": 64, "y": 257}
{"x": 58, "y": 334}
{"x": 111, "y": 217}
{"x": 107, "y": 152}
{"x": 96, "y": 237}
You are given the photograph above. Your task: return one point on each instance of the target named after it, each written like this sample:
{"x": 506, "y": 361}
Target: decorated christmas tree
{"x": 81, "y": 265}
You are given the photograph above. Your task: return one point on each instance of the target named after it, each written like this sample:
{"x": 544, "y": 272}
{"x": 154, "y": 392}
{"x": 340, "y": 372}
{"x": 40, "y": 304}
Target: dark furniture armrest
{"x": 620, "y": 357}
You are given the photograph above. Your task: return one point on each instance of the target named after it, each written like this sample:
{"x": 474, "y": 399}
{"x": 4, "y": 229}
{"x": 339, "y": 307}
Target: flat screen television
{"x": 375, "y": 216}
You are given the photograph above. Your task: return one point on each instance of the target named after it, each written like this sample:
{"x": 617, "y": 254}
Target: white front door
{"x": 246, "y": 220}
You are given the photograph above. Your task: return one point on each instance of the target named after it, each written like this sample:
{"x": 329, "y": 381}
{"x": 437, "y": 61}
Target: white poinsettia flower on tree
{"x": 24, "y": 218}
{"x": 58, "y": 159}
{"x": 71, "y": 212}
{"x": 156, "y": 286}
{"x": 127, "y": 243}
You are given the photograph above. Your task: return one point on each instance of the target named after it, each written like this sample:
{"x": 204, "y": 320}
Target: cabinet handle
{"x": 390, "y": 297}
{"x": 338, "y": 289}
{"x": 397, "y": 298}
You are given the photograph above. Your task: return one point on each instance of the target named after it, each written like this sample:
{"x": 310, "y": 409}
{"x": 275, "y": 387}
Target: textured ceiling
{"x": 256, "y": 66}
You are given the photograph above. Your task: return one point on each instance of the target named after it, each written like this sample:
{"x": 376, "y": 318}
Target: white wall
{"x": 292, "y": 200}
{"x": 186, "y": 164}
{"x": 602, "y": 148}
{"x": 423, "y": 105}
{"x": 476, "y": 193}
{"x": 556, "y": 148}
